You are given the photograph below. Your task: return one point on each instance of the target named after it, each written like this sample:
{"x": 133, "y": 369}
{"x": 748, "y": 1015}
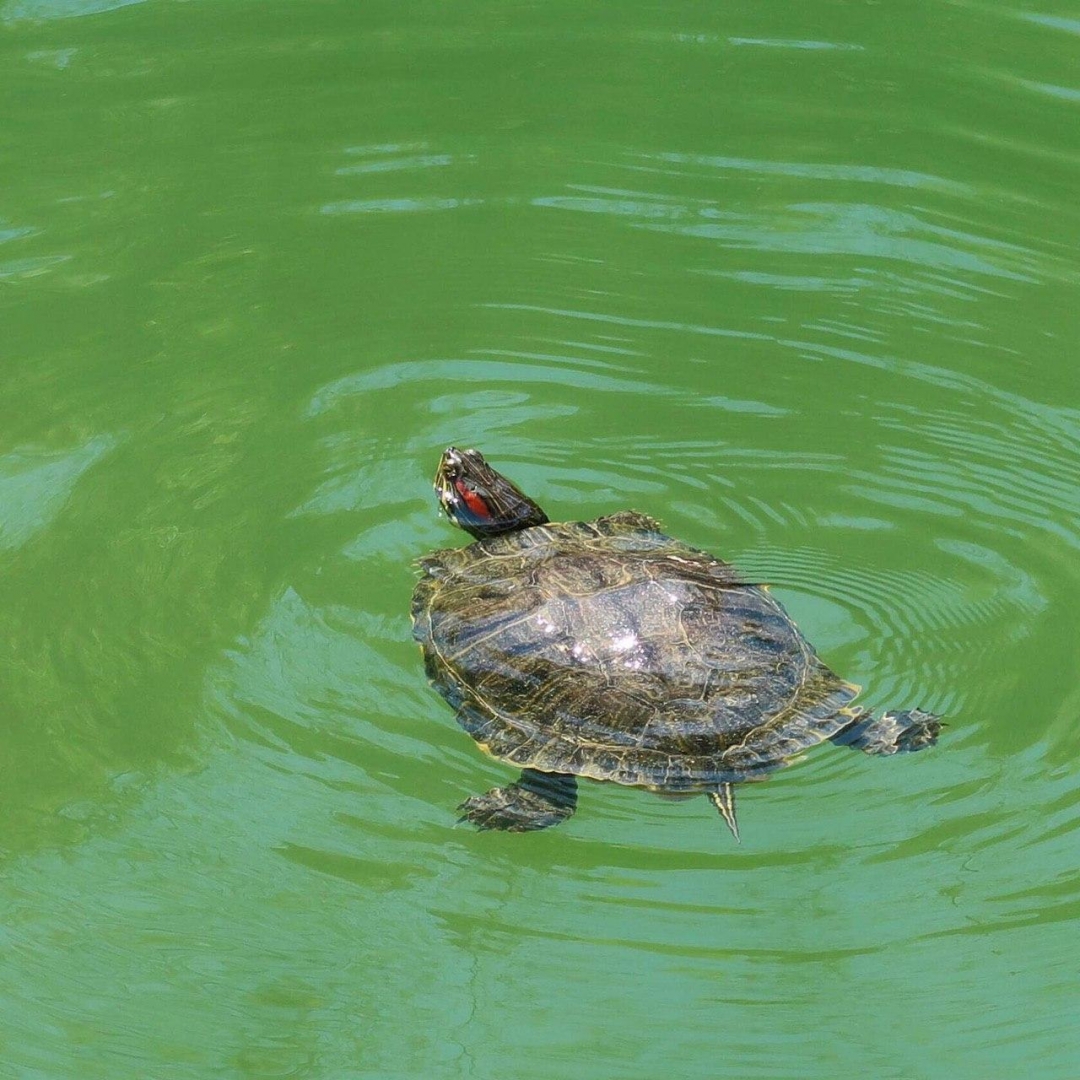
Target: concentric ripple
{"x": 799, "y": 281}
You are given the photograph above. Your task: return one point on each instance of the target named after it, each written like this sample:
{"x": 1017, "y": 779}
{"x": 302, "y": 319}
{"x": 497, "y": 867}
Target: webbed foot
{"x": 890, "y": 733}
{"x": 537, "y": 800}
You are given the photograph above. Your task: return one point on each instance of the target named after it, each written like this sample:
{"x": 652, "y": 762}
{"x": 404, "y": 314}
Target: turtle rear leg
{"x": 890, "y": 733}
{"x": 537, "y": 800}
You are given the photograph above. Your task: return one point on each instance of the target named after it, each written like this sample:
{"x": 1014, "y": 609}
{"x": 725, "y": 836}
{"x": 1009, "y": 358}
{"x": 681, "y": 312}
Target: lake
{"x": 798, "y": 280}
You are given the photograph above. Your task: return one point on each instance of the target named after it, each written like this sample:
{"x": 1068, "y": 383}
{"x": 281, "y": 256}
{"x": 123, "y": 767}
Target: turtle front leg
{"x": 537, "y": 800}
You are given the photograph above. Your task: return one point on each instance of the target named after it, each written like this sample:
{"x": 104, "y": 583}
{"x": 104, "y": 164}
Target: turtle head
{"x": 480, "y": 500}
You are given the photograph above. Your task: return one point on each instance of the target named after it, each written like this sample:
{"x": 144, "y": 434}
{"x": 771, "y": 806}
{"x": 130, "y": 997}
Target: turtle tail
{"x": 890, "y": 733}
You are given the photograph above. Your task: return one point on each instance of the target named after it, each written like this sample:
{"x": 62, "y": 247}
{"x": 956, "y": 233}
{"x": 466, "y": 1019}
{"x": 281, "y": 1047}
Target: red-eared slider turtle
{"x": 609, "y": 650}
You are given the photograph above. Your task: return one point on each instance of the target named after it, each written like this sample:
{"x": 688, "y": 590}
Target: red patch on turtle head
{"x": 476, "y": 505}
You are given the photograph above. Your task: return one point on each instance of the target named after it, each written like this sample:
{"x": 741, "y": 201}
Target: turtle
{"x": 609, "y": 650}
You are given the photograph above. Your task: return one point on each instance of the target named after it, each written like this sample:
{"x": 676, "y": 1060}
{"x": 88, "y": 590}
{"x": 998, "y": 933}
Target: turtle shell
{"x": 610, "y": 650}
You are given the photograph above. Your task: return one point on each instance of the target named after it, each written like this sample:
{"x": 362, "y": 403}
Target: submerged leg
{"x": 536, "y": 800}
{"x": 890, "y": 733}
{"x": 723, "y": 798}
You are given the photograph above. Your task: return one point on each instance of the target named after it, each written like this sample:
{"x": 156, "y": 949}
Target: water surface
{"x": 799, "y": 282}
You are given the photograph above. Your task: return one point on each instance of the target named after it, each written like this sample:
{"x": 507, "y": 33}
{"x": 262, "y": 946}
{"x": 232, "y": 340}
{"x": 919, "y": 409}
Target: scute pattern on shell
{"x": 610, "y": 650}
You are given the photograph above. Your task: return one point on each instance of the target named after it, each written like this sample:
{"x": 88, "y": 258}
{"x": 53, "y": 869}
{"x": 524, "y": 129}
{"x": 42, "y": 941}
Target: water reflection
{"x": 35, "y": 484}
{"x": 15, "y": 11}
{"x": 814, "y": 312}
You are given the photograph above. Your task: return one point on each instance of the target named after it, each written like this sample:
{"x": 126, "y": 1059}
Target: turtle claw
{"x": 536, "y": 801}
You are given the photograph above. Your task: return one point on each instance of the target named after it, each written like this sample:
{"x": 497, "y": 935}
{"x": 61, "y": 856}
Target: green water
{"x": 801, "y": 280}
